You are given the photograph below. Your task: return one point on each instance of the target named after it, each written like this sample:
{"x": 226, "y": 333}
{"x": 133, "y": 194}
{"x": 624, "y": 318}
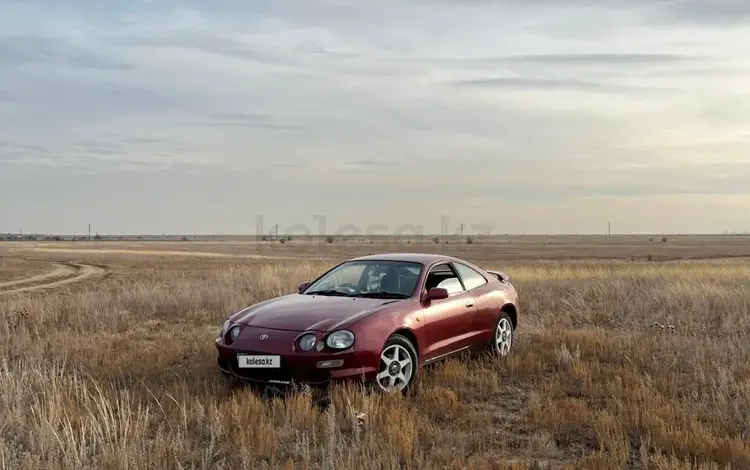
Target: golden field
{"x": 13, "y": 269}
{"x": 631, "y": 353}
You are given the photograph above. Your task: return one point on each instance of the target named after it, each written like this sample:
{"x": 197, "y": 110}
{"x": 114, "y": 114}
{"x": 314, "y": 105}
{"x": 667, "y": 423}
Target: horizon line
{"x": 355, "y": 235}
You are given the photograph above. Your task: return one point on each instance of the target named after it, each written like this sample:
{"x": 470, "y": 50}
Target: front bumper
{"x": 295, "y": 367}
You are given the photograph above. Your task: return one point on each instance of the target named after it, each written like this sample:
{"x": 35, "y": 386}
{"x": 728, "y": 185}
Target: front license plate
{"x": 247, "y": 361}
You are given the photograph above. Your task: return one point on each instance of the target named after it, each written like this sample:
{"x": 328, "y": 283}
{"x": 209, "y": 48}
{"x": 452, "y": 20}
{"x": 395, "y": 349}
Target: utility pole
{"x": 89, "y": 230}
{"x": 462, "y": 230}
{"x": 609, "y": 230}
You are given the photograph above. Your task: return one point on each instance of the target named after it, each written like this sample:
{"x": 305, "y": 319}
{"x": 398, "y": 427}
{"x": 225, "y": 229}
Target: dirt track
{"x": 64, "y": 274}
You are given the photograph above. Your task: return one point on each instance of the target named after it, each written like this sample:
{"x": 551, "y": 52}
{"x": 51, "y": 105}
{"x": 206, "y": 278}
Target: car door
{"x": 448, "y": 322}
{"x": 483, "y": 323}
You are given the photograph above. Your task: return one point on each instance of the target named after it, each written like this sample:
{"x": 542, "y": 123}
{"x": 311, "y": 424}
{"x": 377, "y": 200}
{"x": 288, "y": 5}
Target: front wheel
{"x": 399, "y": 366}
{"x": 502, "y": 340}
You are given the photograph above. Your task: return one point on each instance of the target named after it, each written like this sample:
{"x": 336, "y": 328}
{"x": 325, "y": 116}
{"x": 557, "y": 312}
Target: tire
{"x": 503, "y": 336}
{"x": 403, "y": 376}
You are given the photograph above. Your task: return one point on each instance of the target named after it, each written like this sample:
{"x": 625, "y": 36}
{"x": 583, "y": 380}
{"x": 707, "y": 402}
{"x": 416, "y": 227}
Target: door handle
{"x": 469, "y": 303}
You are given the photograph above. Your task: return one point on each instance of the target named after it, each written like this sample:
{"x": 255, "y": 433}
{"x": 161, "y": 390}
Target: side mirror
{"x": 301, "y": 288}
{"x": 436, "y": 293}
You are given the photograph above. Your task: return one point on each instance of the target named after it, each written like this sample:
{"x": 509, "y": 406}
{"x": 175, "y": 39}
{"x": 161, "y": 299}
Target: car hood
{"x": 299, "y": 312}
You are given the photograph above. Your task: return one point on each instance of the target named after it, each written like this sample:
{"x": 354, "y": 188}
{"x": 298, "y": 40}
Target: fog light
{"x": 329, "y": 364}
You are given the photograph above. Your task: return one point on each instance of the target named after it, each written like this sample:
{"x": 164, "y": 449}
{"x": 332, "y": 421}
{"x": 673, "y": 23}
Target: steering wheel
{"x": 349, "y": 286}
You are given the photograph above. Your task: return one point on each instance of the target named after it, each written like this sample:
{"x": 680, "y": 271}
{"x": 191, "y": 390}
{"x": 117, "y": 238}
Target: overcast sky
{"x": 521, "y": 115}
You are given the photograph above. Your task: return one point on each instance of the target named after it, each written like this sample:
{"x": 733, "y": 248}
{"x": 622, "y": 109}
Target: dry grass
{"x": 12, "y": 269}
{"x": 490, "y": 247}
{"x": 119, "y": 374}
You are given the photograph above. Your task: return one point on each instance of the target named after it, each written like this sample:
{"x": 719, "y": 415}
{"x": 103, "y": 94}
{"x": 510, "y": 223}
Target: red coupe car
{"x": 379, "y": 318}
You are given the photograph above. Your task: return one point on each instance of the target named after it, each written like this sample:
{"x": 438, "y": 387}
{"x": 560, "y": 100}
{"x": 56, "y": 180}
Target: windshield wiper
{"x": 384, "y": 295}
{"x": 332, "y": 292}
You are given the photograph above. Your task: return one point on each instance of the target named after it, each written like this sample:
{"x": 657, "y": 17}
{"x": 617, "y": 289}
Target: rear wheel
{"x": 502, "y": 339}
{"x": 399, "y": 366}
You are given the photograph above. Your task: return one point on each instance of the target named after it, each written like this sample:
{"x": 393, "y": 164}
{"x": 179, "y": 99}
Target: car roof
{"x": 422, "y": 258}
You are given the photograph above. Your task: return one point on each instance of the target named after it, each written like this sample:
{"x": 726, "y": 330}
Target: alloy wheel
{"x": 503, "y": 336}
{"x": 396, "y": 368}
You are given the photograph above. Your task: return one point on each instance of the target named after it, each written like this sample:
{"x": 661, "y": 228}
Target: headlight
{"x": 234, "y": 332}
{"x": 340, "y": 339}
{"x": 307, "y": 342}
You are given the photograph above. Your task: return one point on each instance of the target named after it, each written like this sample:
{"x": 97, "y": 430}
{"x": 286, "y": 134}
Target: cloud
{"x": 591, "y": 59}
{"x": 700, "y": 12}
{"x": 145, "y": 140}
{"x": 20, "y": 50}
{"x": 369, "y": 163}
{"x": 246, "y": 120}
{"x": 201, "y": 42}
{"x": 717, "y": 13}
{"x": 536, "y": 108}
{"x": 512, "y": 83}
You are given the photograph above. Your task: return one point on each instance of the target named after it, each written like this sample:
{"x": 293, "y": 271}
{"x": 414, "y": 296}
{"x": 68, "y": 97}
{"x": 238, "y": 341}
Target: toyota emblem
{"x": 263, "y": 336}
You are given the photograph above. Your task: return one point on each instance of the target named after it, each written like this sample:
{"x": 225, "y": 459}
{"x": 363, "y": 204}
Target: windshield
{"x": 370, "y": 278}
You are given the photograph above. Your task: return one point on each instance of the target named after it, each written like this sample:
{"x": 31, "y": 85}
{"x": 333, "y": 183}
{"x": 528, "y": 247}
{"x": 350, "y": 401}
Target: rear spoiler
{"x": 501, "y": 276}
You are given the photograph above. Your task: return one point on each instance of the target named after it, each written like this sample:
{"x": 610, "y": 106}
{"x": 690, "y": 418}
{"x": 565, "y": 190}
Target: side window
{"x": 452, "y": 285}
{"x": 471, "y": 278}
{"x": 444, "y": 276}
